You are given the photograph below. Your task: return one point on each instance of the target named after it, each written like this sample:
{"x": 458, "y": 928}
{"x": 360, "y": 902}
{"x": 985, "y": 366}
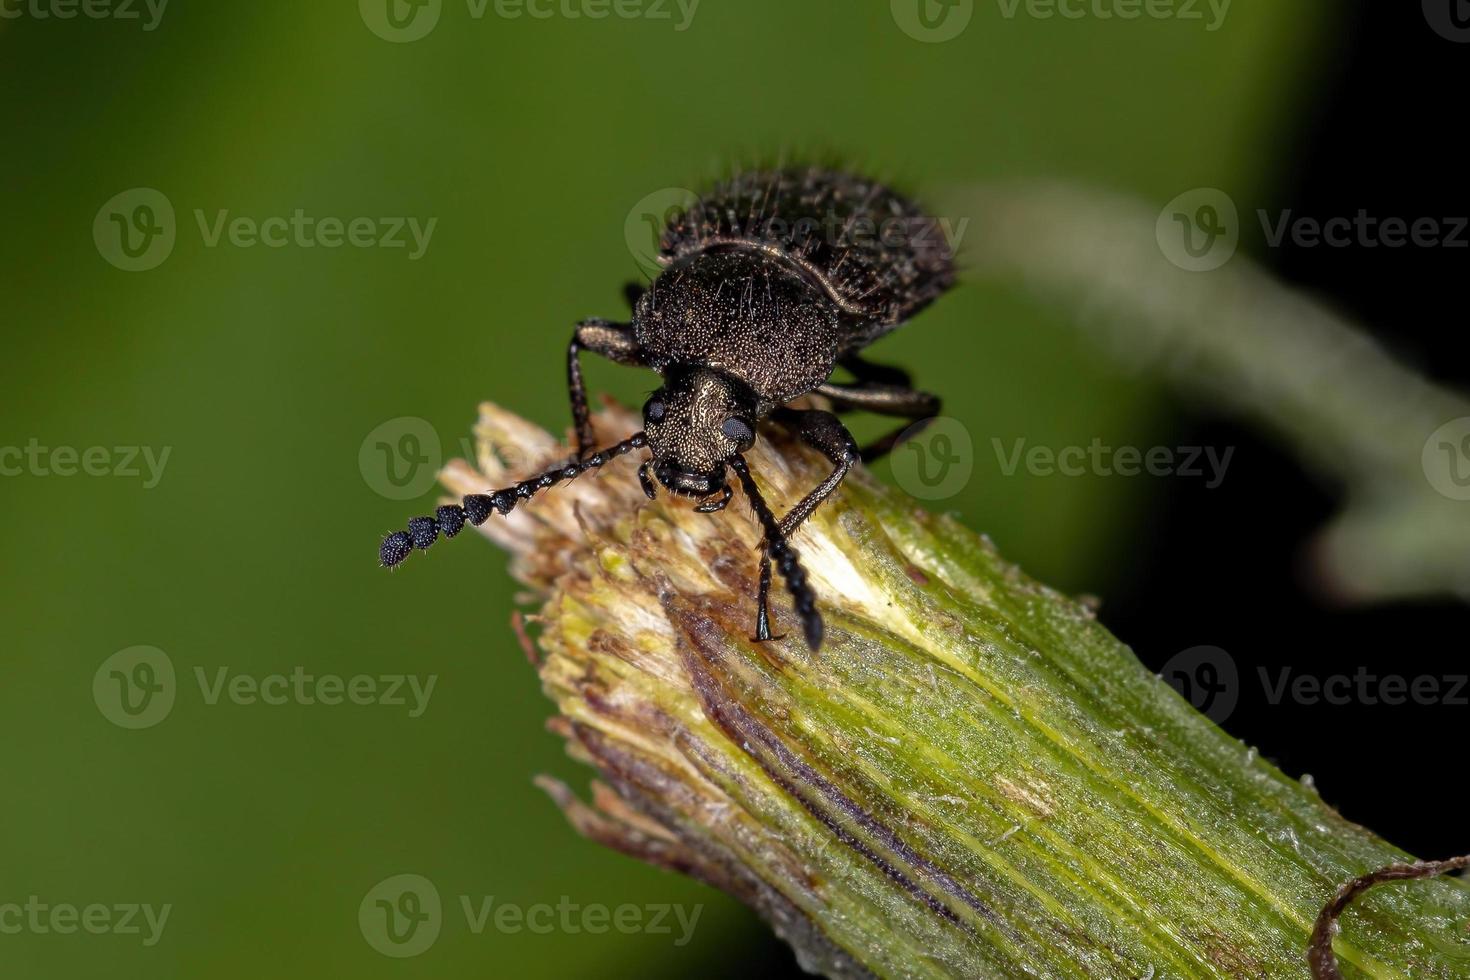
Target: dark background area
{"x": 1379, "y": 134}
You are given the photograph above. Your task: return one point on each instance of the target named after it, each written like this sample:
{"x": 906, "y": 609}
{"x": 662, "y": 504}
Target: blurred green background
{"x": 263, "y": 370}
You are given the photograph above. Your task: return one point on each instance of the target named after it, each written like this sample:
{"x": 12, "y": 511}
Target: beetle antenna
{"x": 781, "y": 552}
{"x": 476, "y": 508}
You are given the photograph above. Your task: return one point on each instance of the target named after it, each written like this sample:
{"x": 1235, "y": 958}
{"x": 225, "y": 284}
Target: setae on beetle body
{"x": 768, "y": 283}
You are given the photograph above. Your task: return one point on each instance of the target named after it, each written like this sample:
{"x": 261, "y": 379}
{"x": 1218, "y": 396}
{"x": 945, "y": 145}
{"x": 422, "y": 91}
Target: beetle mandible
{"x": 767, "y": 284}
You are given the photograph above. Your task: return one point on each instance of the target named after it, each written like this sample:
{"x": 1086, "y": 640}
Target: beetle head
{"x": 696, "y": 423}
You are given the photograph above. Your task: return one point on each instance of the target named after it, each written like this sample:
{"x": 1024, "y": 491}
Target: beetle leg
{"x": 825, "y": 433}
{"x": 633, "y": 292}
{"x": 868, "y": 372}
{"x": 884, "y": 399}
{"x": 613, "y": 341}
{"x": 777, "y": 548}
{"x": 763, "y": 609}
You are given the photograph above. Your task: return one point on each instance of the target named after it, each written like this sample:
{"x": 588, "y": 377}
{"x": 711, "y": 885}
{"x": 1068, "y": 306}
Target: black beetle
{"x": 767, "y": 284}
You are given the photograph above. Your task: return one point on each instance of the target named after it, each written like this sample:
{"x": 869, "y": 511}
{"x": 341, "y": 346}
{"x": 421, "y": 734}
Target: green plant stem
{"x": 972, "y": 779}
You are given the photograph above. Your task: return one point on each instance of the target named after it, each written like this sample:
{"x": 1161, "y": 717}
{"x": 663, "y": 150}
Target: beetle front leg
{"x": 762, "y": 606}
{"x": 825, "y": 433}
{"x": 613, "y": 341}
{"x": 776, "y": 548}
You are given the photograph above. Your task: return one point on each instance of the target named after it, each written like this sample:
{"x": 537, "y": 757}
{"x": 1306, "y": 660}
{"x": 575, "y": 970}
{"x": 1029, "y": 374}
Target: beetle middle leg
{"x": 825, "y": 433}
{"x": 633, "y": 292}
{"x": 613, "y": 341}
{"x": 866, "y": 371}
{"x": 882, "y": 398}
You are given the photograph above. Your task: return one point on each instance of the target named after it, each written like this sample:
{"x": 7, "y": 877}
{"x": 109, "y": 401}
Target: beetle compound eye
{"x": 654, "y": 411}
{"x": 738, "y": 431}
